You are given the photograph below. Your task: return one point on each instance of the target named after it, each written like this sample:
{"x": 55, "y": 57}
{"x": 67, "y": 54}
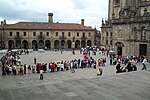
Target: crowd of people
{"x": 11, "y": 63}
{"x": 129, "y": 63}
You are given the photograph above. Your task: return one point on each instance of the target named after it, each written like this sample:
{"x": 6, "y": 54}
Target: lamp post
{"x": 73, "y": 46}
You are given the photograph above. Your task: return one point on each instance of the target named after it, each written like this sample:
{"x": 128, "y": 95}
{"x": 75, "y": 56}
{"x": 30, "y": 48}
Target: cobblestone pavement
{"x": 82, "y": 85}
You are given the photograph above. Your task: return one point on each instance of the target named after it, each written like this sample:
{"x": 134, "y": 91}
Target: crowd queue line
{"x": 11, "y": 63}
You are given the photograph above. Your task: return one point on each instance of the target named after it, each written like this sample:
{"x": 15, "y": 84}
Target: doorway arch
{"x": 41, "y": 44}
{"x": 69, "y": 44}
{"x": 83, "y": 44}
{"x": 63, "y": 44}
{"x": 34, "y": 44}
{"x": 89, "y": 43}
{"x": 119, "y": 46}
{"x": 25, "y": 44}
{"x": 18, "y": 44}
{"x": 48, "y": 44}
{"x": 56, "y": 44}
{"x": 10, "y": 44}
{"x": 77, "y": 44}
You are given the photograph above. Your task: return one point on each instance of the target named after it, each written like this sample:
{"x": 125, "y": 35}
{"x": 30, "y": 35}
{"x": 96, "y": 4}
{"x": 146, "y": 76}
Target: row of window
{"x": 111, "y": 34}
{"x": 47, "y": 34}
{"x": 107, "y": 42}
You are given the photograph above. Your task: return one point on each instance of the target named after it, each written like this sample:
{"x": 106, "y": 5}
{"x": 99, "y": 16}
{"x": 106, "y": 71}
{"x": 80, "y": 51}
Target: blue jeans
{"x": 144, "y": 66}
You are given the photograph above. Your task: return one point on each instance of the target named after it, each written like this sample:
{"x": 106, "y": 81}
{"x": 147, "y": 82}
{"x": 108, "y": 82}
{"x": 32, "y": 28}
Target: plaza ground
{"x": 82, "y": 85}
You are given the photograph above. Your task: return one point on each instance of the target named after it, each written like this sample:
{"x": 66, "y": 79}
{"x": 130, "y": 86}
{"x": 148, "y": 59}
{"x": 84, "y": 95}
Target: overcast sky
{"x": 64, "y": 11}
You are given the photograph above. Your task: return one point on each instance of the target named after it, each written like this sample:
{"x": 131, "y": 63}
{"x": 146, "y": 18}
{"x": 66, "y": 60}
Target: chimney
{"x": 4, "y": 22}
{"x": 82, "y": 21}
{"x": 1, "y": 23}
{"x": 50, "y": 17}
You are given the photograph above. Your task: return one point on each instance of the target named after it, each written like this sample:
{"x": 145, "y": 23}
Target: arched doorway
{"x": 41, "y": 44}
{"x": 119, "y": 51}
{"x": 18, "y": 44}
{"x": 83, "y": 44}
{"x": 69, "y": 44}
{"x": 77, "y": 44}
{"x": 10, "y": 44}
{"x": 63, "y": 44}
{"x": 89, "y": 43}
{"x": 56, "y": 44}
{"x": 34, "y": 44}
{"x": 47, "y": 44}
{"x": 25, "y": 44}
{"x": 143, "y": 49}
{"x": 119, "y": 48}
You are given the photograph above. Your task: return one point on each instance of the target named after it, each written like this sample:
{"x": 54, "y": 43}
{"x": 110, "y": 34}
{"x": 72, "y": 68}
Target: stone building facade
{"x": 46, "y": 35}
{"x": 127, "y": 27}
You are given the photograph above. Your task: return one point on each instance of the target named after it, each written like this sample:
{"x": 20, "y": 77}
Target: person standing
{"x": 34, "y": 60}
{"x": 41, "y": 74}
{"x": 144, "y": 63}
{"x": 29, "y": 69}
{"x": 24, "y": 68}
{"x": 72, "y": 66}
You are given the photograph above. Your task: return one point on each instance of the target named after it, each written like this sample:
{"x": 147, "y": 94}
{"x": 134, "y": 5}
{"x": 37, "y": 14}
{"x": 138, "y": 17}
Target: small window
{"x": 89, "y": 34}
{"x": 83, "y": 34}
{"x": 111, "y": 34}
{"x": 41, "y": 33}
{"x": 24, "y": 33}
{"x": 110, "y": 42}
{"x": 63, "y": 33}
{"x": 17, "y": 34}
{"x": 10, "y": 33}
{"x": 69, "y": 34}
{"x": 107, "y": 34}
{"x": 77, "y": 33}
{"x": 56, "y": 33}
{"x": 47, "y": 33}
{"x": 34, "y": 33}
{"x": 117, "y": 2}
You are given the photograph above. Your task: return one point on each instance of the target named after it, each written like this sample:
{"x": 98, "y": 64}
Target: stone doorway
{"x": 143, "y": 49}
{"x": 119, "y": 51}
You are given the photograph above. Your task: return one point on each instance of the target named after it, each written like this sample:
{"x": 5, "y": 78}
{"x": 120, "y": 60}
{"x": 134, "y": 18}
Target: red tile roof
{"x": 47, "y": 26}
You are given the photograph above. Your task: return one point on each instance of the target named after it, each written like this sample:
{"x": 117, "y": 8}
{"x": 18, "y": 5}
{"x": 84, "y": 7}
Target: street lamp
{"x": 73, "y": 46}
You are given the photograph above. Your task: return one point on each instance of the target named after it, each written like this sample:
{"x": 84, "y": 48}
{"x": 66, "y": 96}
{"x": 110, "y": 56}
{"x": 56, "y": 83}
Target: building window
{"x": 69, "y": 34}
{"x": 10, "y": 33}
{"x": 41, "y": 33}
{"x": 47, "y": 33}
{"x": 89, "y": 34}
{"x": 83, "y": 34}
{"x": 117, "y": 2}
{"x": 63, "y": 33}
{"x": 111, "y": 34}
{"x": 110, "y": 42}
{"x": 143, "y": 35}
{"x": 24, "y": 34}
{"x": 106, "y": 42}
{"x": 34, "y": 33}
{"x": 17, "y": 34}
{"x": 77, "y": 33}
{"x": 107, "y": 34}
{"x": 56, "y": 33}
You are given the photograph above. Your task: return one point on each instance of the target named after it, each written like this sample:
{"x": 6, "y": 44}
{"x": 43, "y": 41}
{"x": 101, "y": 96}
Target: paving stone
{"x": 82, "y": 85}
{"x": 71, "y": 94}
